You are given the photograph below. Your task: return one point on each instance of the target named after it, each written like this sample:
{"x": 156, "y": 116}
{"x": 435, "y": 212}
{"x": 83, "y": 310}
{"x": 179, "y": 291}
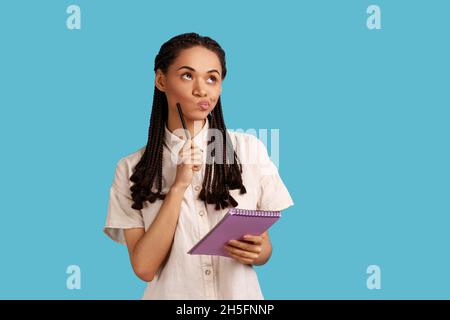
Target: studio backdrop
{"x": 351, "y": 99}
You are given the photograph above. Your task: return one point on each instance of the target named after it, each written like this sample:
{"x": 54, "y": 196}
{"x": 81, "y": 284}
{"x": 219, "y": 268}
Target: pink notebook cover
{"x": 234, "y": 225}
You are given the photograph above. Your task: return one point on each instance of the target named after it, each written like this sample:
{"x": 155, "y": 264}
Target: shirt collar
{"x": 175, "y": 143}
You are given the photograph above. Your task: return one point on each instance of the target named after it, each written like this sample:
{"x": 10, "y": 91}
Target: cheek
{"x": 178, "y": 89}
{"x": 215, "y": 93}
{"x": 175, "y": 84}
{"x": 182, "y": 91}
{"x": 178, "y": 93}
{"x": 217, "y": 90}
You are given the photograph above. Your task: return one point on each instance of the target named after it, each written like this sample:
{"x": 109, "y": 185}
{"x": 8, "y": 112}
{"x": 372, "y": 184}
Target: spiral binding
{"x": 254, "y": 213}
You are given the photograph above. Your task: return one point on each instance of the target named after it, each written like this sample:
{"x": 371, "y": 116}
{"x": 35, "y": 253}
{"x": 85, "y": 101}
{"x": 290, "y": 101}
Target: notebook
{"x": 234, "y": 225}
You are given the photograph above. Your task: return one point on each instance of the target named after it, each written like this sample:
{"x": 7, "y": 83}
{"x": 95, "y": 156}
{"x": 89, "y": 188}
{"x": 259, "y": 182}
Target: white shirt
{"x": 202, "y": 277}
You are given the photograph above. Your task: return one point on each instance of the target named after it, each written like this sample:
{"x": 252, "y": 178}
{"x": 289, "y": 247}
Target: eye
{"x": 187, "y": 73}
{"x": 212, "y": 77}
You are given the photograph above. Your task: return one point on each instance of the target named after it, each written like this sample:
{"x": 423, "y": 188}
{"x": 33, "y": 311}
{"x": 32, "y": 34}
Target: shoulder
{"x": 244, "y": 140}
{"x": 126, "y": 164}
{"x": 133, "y": 157}
{"x": 249, "y": 148}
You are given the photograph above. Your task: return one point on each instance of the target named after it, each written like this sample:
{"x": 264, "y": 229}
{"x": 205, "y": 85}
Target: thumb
{"x": 186, "y": 147}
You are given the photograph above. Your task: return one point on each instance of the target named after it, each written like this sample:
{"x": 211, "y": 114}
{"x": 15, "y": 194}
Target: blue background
{"x": 363, "y": 117}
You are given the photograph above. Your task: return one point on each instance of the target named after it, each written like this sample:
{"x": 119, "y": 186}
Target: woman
{"x": 167, "y": 195}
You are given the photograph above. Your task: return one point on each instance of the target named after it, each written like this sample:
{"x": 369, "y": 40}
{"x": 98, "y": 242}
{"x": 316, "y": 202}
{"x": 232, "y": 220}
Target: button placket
{"x": 205, "y": 260}
{"x": 208, "y": 276}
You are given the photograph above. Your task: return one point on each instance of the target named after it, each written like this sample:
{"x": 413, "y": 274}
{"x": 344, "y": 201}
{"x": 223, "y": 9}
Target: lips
{"x": 204, "y": 105}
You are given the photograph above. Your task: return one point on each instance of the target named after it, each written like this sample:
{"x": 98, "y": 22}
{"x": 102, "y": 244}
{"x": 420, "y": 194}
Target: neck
{"x": 193, "y": 126}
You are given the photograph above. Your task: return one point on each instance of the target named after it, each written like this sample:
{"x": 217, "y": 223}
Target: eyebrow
{"x": 190, "y": 68}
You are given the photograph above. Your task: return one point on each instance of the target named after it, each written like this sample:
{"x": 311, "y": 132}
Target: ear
{"x": 160, "y": 80}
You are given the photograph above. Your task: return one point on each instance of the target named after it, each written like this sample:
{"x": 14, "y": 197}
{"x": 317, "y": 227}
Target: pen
{"x": 182, "y": 121}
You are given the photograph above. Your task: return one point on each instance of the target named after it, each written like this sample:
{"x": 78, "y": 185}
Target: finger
{"x": 192, "y": 160}
{"x": 193, "y": 145}
{"x": 196, "y": 155}
{"x": 196, "y": 148}
{"x": 186, "y": 149}
{"x": 182, "y": 158}
{"x": 253, "y": 238}
{"x": 240, "y": 259}
{"x": 197, "y": 166}
{"x": 186, "y": 160}
{"x": 242, "y": 253}
{"x": 197, "y": 159}
{"x": 196, "y": 151}
{"x": 245, "y": 246}
{"x": 192, "y": 150}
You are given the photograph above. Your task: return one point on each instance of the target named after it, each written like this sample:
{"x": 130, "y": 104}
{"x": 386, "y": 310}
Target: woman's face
{"x": 195, "y": 76}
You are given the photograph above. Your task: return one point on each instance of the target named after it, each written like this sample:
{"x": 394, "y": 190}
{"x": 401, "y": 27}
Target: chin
{"x": 198, "y": 115}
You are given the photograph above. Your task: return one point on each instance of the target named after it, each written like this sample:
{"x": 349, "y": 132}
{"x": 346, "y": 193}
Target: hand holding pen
{"x": 190, "y": 157}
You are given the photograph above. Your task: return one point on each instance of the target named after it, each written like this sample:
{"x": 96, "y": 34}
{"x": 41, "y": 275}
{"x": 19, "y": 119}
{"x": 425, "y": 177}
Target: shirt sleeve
{"x": 273, "y": 193}
{"x": 120, "y": 214}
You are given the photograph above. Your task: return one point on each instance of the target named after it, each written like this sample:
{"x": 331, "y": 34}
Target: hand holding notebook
{"x": 234, "y": 225}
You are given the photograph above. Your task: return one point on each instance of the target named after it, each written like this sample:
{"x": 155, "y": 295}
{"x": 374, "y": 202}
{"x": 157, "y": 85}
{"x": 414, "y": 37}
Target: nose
{"x": 198, "y": 89}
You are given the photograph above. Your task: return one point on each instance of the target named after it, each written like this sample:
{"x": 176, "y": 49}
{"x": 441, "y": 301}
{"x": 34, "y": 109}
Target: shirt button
{"x": 197, "y": 188}
{"x": 201, "y": 213}
{"x": 207, "y": 272}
